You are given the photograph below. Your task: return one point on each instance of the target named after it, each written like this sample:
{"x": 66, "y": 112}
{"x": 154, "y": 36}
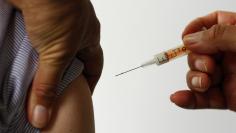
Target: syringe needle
{"x": 128, "y": 71}
{"x": 163, "y": 57}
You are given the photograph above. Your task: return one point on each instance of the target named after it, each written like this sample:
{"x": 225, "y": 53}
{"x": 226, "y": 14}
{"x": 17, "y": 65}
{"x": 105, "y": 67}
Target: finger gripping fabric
{"x": 18, "y": 64}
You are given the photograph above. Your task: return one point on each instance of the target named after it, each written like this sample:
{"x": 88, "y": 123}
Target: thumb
{"x": 43, "y": 94}
{"x": 217, "y": 38}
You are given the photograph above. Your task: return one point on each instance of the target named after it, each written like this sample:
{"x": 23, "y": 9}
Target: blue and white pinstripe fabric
{"x": 18, "y": 64}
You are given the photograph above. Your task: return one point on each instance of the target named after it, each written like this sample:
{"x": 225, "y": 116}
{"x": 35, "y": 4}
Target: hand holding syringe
{"x": 212, "y": 61}
{"x": 163, "y": 57}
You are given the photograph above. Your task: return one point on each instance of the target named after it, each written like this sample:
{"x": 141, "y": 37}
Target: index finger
{"x": 217, "y": 17}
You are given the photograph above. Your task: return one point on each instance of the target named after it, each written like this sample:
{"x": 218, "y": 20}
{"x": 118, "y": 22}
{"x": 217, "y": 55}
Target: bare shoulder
{"x": 74, "y": 110}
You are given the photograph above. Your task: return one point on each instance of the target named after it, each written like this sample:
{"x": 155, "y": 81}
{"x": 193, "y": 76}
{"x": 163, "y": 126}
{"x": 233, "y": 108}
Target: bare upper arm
{"x": 74, "y": 110}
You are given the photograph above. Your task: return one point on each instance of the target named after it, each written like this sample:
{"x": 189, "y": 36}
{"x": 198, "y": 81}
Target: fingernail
{"x": 40, "y": 116}
{"x": 192, "y": 38}
{"x": 196, "y": 81}
{"x": 172, "y": 98}
{"x": 200, "y": 65}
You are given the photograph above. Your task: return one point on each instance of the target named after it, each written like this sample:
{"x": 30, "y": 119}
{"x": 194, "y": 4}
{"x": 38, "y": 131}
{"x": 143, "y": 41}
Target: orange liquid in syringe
{"x": 176, "y": 52}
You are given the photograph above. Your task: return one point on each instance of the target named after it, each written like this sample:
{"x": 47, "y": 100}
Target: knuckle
{"x": 218, "y": 12}
{"x": 191, "y": 60}
{"x": 188, "y": 78}
{"x": 45, "y": 91}
{"x": 216, "y": 32}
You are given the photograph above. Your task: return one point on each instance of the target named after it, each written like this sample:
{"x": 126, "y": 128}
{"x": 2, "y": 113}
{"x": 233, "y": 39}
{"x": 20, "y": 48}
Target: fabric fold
{"x": 18, "y": 64}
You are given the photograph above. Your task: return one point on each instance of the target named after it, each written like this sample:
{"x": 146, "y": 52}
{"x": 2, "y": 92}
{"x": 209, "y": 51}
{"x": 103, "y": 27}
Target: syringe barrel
{"x": 171, "y": 54}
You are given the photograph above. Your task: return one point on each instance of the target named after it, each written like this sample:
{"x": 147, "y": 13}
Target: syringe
{"x": 163, "y": 57}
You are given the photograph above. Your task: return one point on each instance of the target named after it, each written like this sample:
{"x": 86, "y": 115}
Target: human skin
{"x": 59, "y": 30}
{"x": 73, "y": 112}
{"x": 212, "y": 62}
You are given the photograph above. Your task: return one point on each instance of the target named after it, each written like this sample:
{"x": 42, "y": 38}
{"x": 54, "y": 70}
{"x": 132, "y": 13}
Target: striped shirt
{"x": 18, "y": 64}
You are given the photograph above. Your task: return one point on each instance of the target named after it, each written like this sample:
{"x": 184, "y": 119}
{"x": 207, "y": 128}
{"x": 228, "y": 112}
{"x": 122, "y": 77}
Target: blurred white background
{"x": 138, "y": 102}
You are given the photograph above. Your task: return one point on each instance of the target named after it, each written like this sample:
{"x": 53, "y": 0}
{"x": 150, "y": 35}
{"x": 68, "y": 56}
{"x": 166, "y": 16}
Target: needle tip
{"x": 127, "y": 71}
